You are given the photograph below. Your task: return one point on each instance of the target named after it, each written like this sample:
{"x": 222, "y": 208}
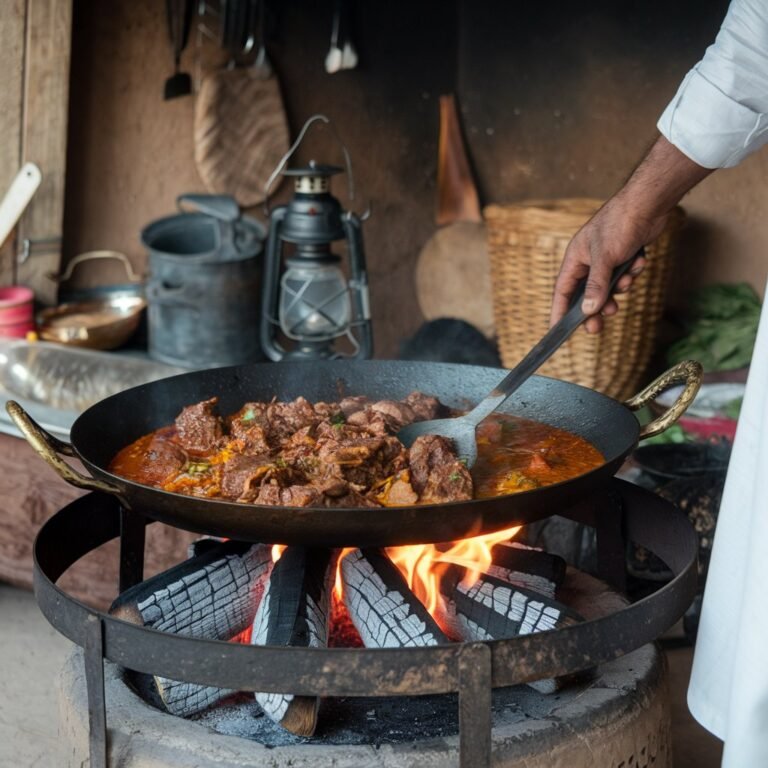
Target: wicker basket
{"x": 526, "y": 244}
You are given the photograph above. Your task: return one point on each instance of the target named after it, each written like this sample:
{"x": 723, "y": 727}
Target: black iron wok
{"x": 106, "y": 427}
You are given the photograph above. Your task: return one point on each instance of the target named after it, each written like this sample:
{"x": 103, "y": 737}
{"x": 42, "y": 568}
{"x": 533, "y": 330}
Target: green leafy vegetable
{"x": 723, "y": 328}
{"x": 249, "y": 415}
{"x": 673, "y": 434}
{"x": 198, "y": 467}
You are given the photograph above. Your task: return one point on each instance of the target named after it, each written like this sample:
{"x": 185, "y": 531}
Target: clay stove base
{"x": 620, "y": 719}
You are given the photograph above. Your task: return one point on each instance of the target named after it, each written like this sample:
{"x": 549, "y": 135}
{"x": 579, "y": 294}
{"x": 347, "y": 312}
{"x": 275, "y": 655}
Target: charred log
{"x": 295, "y": 612}
{"x": 493, "y": 608}
{"x": 213, "y": 595}
{"x": 383, "y": 609}
{"x": 527, "y": 567}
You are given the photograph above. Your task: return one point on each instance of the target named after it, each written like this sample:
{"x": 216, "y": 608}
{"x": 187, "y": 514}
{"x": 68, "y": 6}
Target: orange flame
{"x": 423, "y": 564}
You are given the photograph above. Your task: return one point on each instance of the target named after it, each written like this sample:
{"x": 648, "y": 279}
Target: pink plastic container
{"x": 16, "y": 311}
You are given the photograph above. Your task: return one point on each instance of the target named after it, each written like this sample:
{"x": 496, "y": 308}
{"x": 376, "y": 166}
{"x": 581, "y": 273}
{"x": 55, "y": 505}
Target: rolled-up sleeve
{"x": 719, "y": 114}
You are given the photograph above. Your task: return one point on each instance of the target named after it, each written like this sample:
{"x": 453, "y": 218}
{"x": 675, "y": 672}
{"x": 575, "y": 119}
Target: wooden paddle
{"x": 453, "y": 272}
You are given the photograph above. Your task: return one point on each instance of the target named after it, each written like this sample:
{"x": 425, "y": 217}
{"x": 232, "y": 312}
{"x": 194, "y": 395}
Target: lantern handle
{"x": 287, "y": 156}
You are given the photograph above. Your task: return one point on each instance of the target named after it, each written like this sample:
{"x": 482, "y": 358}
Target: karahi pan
{"x": 106, "y": 427}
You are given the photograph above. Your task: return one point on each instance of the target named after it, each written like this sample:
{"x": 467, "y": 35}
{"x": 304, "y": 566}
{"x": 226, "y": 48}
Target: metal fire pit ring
{"x": 471, "y": 669}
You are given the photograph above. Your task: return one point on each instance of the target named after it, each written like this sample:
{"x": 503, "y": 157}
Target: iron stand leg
{"x": 94, "y": 681}
{"x": 475, "y": 706}
{"x": 133, "y": 530}
{"x": 611, "y": 541}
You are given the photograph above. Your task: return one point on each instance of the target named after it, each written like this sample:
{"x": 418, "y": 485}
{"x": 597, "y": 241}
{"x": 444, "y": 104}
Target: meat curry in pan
{"x": 346, "y": 454}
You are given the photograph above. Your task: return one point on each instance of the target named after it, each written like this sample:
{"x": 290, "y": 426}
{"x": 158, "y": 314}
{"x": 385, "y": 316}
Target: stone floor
{"x": 31, "y": 654}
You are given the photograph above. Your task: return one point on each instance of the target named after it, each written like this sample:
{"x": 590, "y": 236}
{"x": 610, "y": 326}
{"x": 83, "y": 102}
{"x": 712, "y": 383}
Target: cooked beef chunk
{"x": 332, "y": 485}
{"x": 351, "y": 499}
{"x": 241, "y": 475}
{"x": 350, "y": 453}
{"x": 425, "y": 407}
{"x": 353, "y": 452}
{"x": 247, "y": 417}
{"x": 286, "y": 418}
{"x": 163, "y": 460}
{"x": 330, "y": 411}
{"x": 292, "y": 496}
{"x": 396, "y": 415}
{"x": 350, "y": 405}
{"x": 372, "y": 421}
{"x": 199, "y": 428}
{"x": 300, "y": 448}
{"x": 436, "y": 473}
{"x": 340, "y": 432}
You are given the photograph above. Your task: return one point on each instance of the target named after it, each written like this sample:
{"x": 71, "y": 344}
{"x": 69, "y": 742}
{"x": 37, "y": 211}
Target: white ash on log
{"x": 381, "y": 605}
{"x": 527, "y": 567}
{"x": 212, "y": 595}
{"x": 295, "y": 612}
{"x": 492, "y": 609}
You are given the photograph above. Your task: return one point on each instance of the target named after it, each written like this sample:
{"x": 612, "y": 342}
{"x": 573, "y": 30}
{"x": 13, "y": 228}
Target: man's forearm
{"x": 661, "y": 180}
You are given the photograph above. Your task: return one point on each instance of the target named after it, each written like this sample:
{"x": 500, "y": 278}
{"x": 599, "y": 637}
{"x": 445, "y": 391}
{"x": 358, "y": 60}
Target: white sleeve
{"x": 720, "y": 112}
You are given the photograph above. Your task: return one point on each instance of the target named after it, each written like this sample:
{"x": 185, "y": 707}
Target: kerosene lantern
{"x": 306, "y": 295}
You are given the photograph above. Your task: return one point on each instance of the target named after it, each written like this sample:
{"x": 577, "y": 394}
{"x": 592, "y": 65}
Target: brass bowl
{"x": 100, "y": 324}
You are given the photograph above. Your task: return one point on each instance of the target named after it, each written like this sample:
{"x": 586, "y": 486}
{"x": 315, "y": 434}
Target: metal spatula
{"x": 462, "y": 428}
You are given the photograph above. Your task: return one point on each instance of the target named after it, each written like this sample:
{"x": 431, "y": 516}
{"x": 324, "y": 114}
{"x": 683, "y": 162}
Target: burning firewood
{"x": 383, "y": 609}
{"x": 295, "y": 612}
{"x": 493, "y": 608}
{"x": 527, "y": 567}
{"x": 212, "y": 595}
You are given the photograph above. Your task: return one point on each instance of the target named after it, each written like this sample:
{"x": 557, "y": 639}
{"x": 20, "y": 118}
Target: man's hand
{"x": 629, "y": 220}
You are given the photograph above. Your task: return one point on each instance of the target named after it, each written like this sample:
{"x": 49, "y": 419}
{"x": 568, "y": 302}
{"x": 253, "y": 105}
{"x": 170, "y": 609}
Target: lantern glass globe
{"x": 314, "y": 302}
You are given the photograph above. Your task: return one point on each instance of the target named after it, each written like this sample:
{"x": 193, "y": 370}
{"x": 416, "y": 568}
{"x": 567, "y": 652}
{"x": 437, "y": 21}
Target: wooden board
{"x": 44, "y": 136}
{"x": 12, "y": 67}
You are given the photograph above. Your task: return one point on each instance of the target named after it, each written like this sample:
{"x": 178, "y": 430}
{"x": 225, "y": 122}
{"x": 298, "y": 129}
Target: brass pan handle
{"x": 689, "y": 372}
{"x": 49, "y": 447}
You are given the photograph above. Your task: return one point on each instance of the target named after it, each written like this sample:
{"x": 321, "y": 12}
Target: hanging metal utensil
{"x": 342, "y": 53}
{"x": 333, "y": 57}
{"x": 262, "y": 65}
{"x": 179, "y": 13}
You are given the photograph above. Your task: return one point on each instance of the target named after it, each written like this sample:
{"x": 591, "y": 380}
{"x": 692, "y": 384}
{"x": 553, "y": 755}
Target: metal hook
{"x": 287, "y": 156}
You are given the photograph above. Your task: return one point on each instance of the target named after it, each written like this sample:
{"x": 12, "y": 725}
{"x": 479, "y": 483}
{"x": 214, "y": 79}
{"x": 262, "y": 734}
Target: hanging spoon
{"x": 461, "y": 429}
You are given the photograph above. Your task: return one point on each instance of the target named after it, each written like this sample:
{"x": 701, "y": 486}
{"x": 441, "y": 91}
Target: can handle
{"x": 222, "y": 207}
{"x": 91, "y": 256}
{"x": 689, "y": 373}
{"x": 49, "y": 447}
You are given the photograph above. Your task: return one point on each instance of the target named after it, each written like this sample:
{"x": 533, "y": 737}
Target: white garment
{"x": 728, "y": 693}
{"x": 720, "y": 112}
{"x": 717, "y": 118}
